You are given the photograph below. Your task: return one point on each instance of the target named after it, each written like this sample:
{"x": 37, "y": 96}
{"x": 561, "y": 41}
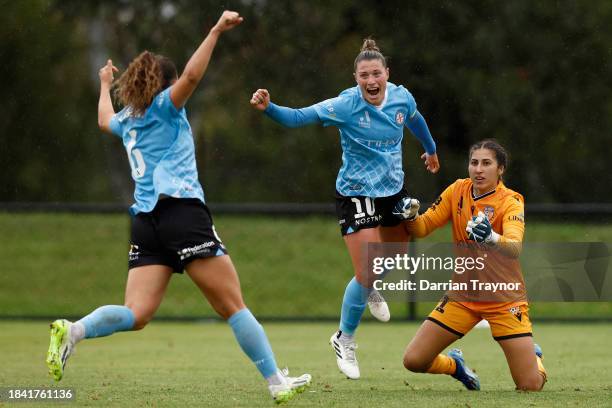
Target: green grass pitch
{"x": 189, "y": 364}
{"x": 84, "y": 258}
{"x": 63, "y": 264}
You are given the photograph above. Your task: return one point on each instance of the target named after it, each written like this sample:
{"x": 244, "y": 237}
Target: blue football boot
{"x": 463, "y": 373}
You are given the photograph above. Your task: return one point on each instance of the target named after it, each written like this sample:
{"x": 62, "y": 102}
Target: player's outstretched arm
{"x": 197, "y": 64}
{"x": 105, "y": 103}
{"x": 285, "y": 116}
{"x": 418, "y": 127}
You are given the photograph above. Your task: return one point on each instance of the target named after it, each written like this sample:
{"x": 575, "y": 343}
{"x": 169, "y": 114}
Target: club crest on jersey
{"x": 516, "y": 312}
{"x": 489, "y": 212}
{"x": 399, "y": 117}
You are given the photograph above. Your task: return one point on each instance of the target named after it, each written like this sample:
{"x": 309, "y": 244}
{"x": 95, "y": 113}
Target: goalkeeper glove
{"x": 407, "y": 209}
{"x": 479, "y": 229}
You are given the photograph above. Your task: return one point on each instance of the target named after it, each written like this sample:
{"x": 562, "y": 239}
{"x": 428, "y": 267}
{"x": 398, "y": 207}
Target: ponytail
{"x": 146, "y": 76}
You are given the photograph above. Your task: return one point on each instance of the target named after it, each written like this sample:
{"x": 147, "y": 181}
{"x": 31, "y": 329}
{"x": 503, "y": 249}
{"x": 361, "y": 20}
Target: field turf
{"x": 61, "y": 265}
{"x": 74, "y": 263}
{"x": 200, "y": 364}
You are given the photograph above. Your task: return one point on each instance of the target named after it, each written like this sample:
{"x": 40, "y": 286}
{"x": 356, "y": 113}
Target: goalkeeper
{"x": 482, "y": 210}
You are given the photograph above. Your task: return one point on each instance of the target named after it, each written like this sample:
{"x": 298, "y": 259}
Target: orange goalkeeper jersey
{"x": 505, "y": 210}
{"x": 503, "y": 207}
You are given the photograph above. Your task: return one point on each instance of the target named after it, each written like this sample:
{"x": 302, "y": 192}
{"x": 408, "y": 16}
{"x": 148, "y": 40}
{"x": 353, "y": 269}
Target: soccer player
{"x": 172, "y": 228}
{"x": 489, "y": 216}
{"x": 371, "y": 117}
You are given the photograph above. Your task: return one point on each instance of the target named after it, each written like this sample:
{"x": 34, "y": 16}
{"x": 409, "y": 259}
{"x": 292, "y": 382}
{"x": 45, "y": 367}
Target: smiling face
{"x": 371, "y": 76}
{"x": 484, "y": 170}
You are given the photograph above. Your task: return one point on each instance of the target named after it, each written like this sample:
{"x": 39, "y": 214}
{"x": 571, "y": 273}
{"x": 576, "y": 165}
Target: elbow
{"x": 517, "y": 249}
{"x": 511, "y": 249}
{"x": 104, "y": 123}
{"x": 414, "y": 230}
{"x": 419, "y": 234}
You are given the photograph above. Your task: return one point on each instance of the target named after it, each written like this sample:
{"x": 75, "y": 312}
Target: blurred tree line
{"x": 534, "y": 75}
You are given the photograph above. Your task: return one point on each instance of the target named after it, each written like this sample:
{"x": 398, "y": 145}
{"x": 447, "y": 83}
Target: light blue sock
{"x": 353, "y": 305}
{"x": 107, "y": 320}
{"x": 253, "y": 341}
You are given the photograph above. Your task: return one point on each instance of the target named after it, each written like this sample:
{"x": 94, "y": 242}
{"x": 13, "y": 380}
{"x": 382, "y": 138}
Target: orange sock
{"x": 443, "y": 365}
{"x": 541, "y": 369}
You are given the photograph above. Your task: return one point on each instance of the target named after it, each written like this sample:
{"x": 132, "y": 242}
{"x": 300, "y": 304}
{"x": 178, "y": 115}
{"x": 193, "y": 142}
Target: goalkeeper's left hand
{"x": 407, "y": 209}
{"x": 479, "y": 229}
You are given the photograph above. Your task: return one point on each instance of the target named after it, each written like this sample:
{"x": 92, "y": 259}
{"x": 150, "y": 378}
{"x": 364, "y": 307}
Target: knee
{"x": 535, "y": 383}
{"x": 140, "y": 324}
{"x": 227, "y": 311}
{"x": 141, "y": 318}
{"x": 414, "y": 363}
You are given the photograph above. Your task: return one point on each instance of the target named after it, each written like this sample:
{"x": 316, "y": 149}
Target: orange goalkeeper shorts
{"x": 507, "y": 320}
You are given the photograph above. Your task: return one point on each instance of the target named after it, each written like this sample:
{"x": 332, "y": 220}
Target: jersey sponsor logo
{"x": 399, "y": 118}
{"x": 196, "y": 250}
{"x": 367, "y": 220}
{"x": 460, "y": 205}
{"x": 518, "y": 217}
{"x": 489, "y": 212}
{"x": 377, "y": 143}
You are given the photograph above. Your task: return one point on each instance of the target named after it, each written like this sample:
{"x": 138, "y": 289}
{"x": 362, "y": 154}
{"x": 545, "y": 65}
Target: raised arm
{"x": 285, "y": 116}
{"x": 197, "y": 64}
{"x": 105, "y": 104}
{"x": 419, "y": 129}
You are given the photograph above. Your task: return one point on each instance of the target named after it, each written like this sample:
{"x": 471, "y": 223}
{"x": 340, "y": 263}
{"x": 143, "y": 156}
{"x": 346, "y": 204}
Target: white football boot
{"x": 345, "y": 356}
{"x": 378, "y": 306}
{"x": 290, "y": 387}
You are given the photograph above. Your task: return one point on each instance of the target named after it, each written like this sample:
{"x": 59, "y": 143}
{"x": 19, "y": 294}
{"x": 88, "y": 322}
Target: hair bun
{"x": 369, "y": 45}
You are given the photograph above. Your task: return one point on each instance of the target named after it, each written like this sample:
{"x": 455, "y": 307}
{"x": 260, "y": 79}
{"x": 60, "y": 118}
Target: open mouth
{"x": 373, "y": 91}
{"x": 479, "y": 178}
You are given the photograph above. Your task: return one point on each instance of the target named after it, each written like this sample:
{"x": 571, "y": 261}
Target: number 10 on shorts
{"x": 369, "y": 207}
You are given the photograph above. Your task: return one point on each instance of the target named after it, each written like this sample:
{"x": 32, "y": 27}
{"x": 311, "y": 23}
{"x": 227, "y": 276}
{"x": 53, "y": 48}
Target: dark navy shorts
{"x": 176, "y": 232}
{"x": 360, "y": 212}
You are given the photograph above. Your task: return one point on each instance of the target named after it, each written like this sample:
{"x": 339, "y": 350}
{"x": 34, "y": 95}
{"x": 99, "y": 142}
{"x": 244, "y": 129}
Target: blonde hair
{"x": 146, "y": 76}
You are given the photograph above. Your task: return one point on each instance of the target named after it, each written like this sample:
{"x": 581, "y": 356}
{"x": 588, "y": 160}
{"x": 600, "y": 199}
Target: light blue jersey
{"x": 161, "y": 152}
{"x": 371, "y": 138}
